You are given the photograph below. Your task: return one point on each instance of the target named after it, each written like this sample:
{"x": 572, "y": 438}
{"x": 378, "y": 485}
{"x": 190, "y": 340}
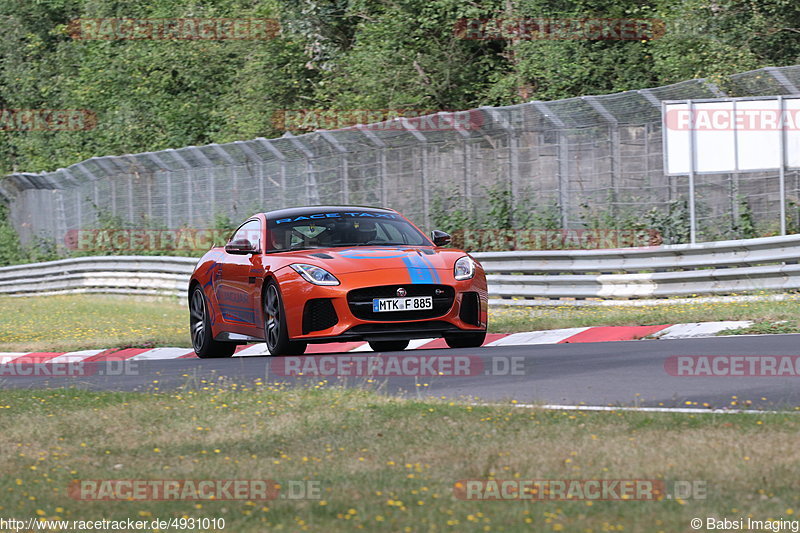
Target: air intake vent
{"x": 470, "y": 309}
{"x": 319, "y": 314}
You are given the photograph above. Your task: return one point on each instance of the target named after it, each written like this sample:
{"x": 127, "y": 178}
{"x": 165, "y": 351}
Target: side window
{"x": 249, "y": 232}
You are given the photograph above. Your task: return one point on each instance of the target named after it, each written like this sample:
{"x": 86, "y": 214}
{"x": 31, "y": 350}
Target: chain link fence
{"x": 594, "y": 161}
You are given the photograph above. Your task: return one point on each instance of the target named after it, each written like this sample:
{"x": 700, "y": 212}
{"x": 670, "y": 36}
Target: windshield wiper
{"x": 371, "y": 244}
{"x": 294, "y": 249}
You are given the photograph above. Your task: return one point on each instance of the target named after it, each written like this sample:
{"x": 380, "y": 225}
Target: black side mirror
{"x": 440, "y": 238}
{"x": 241, "y": 246}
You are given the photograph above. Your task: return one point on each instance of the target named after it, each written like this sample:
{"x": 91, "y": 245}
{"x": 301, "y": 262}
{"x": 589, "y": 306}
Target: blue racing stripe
{"x": 418, "y": 270}
{"x": 237, "y": 315}
{"x": 427, "y": 261}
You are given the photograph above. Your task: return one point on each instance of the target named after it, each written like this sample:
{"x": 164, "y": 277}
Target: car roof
{"x": 310, "y": 210}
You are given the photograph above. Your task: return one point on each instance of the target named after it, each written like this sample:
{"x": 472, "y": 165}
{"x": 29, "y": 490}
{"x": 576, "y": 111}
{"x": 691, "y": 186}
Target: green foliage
{"x": 533, "y": 212}
{"x": 11, "y": 251}
{"x": 42, "y": 249}
{"x": 405, "y": 54}
{"x": 500, "y": 214}
{"x": 501, "y": 210}
{"x": 612, "y": 214}
{"x": 165, "y": 241}
{"x": 672, "y": 223}
{"x": 792, "y": 217}
{"x": 223, "y": 222}
{"x": 744, "y": 226}
{"x": 344, "y": 54}
{"x": 445, "y": 215}
{"x": 148, "y": 95}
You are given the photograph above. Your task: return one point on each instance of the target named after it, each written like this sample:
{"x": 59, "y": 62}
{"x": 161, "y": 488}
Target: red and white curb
{"x": 553, "y": 336}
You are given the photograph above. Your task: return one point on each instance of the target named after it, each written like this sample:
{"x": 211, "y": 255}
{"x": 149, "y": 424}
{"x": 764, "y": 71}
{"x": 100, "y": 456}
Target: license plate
{"x": 385, "y": 305}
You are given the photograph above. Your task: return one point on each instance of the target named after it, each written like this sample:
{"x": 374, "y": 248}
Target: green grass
{"x": 384, "y": 464}
{"x": 75, "y": 322}
{"x": 765, "y": 328}
{"x": 512, "y": 319}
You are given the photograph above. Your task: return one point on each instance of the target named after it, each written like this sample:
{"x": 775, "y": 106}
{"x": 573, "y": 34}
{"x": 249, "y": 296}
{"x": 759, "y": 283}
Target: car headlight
{"x": 314, "y": 274}
{"x": 464, "y": 269}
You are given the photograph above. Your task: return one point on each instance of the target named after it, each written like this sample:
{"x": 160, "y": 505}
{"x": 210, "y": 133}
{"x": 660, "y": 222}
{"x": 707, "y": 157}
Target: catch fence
{"x": 594, "y": 161}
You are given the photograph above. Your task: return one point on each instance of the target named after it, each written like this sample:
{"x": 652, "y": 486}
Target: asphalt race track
{"x": 630, "y": 373}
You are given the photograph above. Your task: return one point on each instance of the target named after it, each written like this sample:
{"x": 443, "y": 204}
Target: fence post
{"x": 61, "y": 216}
{"x": 207, "y": 166}
{"x": 782, "y": 172}
{"x": 616, "y": 151}
{"x": 187, "y": 171}
{"x": 513, "y": 156}
{"x": 169, "y": 200}
{"x": 282, "y": 159}
{"x": 344, "y": 170}
{"x": 692, "y": 157}
{"x": 130, "y": 198}
{"x": 562, "y": 158}
{"x": 312, "y": 194}
{"x": 423, "y": 171}
{"x": 374, "y": 139}
{"x": 231, "y": 171}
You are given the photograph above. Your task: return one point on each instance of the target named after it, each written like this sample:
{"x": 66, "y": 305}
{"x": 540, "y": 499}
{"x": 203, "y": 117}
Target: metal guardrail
{"x": 140, "y": 275}
{"x": 724, "y": 267}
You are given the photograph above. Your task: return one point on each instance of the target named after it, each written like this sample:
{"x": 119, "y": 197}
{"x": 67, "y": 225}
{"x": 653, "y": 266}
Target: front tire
{"x": 200, "y": 329}
{"x": 276, "y": 333}
{"x": 466, "y": 340}
{"x": 388, "y": 346}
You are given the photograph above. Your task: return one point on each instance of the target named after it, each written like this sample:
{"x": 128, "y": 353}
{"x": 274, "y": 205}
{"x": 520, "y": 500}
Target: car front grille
{"x": 360, "y": 301}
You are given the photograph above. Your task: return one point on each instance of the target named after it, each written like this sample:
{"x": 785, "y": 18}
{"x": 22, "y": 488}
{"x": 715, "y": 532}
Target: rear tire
{"x": 388, "y": 346}
{"x": 276, "y": 333}
{"x": 200, "y": 329}
{"x": 466, "y": 340}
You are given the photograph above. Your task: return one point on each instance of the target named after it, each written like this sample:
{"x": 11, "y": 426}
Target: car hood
{"x": 363, "y": 258}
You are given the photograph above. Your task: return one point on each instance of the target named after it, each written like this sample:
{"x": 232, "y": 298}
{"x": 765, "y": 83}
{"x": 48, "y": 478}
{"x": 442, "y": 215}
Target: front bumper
{"x": 467, "y": 310}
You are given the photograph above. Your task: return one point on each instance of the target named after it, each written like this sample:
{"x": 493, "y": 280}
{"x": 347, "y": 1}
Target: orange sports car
{"x": 331, "y": 274}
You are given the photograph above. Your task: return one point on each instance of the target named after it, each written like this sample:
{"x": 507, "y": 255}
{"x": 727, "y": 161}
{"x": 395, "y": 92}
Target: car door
{"x": 237, "y": 288}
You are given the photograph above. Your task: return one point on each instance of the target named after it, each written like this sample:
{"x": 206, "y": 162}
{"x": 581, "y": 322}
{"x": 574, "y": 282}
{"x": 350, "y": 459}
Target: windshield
{"x": 327, "y": 230}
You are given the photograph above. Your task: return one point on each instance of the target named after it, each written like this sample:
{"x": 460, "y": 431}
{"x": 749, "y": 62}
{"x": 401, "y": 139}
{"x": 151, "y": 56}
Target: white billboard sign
{"x": 731, "y": 135}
